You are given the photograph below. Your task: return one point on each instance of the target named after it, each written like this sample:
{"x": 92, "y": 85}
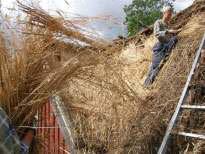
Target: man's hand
{"x": 171, "y": 31}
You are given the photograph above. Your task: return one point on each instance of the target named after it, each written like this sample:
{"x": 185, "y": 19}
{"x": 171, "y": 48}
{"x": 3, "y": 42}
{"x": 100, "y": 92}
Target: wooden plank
{"x": 163, "y": 147}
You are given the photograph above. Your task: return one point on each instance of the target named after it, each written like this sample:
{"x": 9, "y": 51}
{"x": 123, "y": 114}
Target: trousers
{"x": 160, "y": 52}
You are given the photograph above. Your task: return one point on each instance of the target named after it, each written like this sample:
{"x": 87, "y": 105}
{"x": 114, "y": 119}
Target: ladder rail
{"x": 162, "y": 149}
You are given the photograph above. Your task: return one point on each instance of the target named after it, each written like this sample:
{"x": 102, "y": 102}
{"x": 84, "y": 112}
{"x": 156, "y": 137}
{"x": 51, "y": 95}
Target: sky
{"x": 182, "y": 4}
{"x": 108, "y": 28}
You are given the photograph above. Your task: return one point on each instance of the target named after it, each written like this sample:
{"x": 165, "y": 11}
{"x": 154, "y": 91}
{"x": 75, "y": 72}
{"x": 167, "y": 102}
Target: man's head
{"x": 167, "y": 13}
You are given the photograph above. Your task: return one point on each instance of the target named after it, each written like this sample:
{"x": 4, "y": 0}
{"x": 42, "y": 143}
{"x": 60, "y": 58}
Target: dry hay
{"x": 113, "y": 113}
{"x": 167, "y": 88}
{"x": 107, "y": 121}
{"x": 34, "y": 72}
{"x": 113, "y": 124}
{"x": 193, "y": 120}
{"x": 100, "y": 84}
{"x": 37, "y": 69}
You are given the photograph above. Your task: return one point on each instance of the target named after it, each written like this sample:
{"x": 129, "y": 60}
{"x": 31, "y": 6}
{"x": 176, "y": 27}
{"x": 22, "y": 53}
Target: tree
{"x": 141, "y": 13}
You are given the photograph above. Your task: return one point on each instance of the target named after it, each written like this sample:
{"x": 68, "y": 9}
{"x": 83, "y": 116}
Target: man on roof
{"x": 167, "y": 39}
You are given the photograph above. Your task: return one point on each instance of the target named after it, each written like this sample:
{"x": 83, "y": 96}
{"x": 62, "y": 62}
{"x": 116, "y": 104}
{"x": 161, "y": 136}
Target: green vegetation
{"x": 141, "y": 13}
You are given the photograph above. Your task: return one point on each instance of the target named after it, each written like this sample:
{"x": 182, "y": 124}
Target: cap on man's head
{"x": 167, "y": 8}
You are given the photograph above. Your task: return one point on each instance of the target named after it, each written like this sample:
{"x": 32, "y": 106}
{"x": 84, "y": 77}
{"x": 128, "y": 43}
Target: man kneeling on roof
{"x": 167, "y": 39}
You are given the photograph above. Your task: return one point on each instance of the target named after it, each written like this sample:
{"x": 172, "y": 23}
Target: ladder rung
{"x": 198, "y": 136}
{"x": 197, "y": 107}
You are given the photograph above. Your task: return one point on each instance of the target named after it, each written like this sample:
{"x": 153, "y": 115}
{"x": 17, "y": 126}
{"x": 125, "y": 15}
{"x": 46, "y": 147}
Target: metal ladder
{"x": 181, "y": 106}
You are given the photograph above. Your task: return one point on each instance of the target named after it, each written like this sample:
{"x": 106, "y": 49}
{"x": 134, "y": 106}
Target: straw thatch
{"x": 100, "y": 83}
{"x": 107, "y": 121}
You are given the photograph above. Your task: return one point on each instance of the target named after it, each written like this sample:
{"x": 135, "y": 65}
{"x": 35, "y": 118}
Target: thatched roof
{"x": 118, "y": 114}
{"x": 101, "y": 83}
